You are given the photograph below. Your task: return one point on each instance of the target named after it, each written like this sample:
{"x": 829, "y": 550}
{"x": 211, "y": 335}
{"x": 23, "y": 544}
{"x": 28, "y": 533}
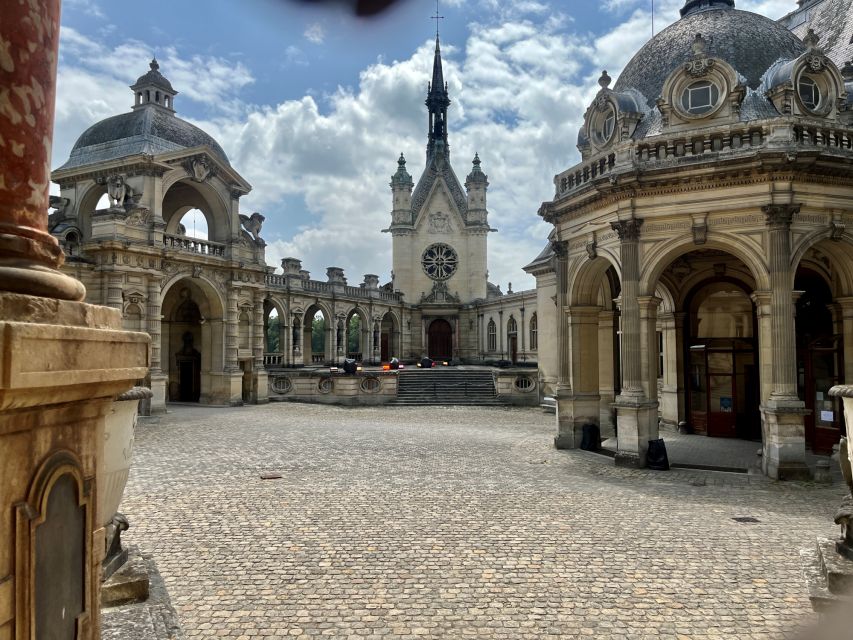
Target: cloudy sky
{"x": 313, "y": 104}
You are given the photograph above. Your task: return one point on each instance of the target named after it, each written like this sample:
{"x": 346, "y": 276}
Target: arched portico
{"x": 185, "y": 194}
{"x": 390, "y": 337}
{"x": 318, "y": 335}
{"x": 193, "y": 342}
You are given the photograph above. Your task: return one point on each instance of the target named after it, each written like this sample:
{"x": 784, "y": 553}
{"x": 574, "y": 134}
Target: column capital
{"x": 780, "y": 215}
{"x": 648, "y": 302}
{"x": 560, "y": 249}
{"x": 627, "y": 230}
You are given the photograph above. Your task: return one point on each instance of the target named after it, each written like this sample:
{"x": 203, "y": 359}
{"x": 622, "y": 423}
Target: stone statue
{"x": 253, "y": 224}
{"x": 117, "y": 191}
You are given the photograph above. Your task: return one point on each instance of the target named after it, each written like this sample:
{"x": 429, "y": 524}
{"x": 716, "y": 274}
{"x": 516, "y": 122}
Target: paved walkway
{"x": 454, "y": 523}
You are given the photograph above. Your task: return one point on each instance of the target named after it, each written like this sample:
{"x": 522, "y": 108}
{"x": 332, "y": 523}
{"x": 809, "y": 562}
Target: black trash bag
{"x": 426, "y": 363}
{"x": 656, "y": 458}
{"x": 350, "y": 366}
{"x": 591, "y": 440}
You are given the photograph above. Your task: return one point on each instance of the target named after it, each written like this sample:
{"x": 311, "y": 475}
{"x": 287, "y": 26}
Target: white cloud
{"x": 315, "y": 33}
{"x": 520, "y": 85}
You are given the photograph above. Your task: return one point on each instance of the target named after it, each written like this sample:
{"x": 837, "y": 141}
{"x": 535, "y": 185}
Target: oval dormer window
{"x": 700, "y": 97}
{"x": 603, "y": 126}
{"x": 809, "y": 93}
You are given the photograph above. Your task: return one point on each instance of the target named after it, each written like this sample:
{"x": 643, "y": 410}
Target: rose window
{"x": 439, "y": 261}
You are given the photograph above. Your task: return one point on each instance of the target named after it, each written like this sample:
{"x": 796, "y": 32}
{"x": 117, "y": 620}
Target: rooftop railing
{"x": 193, "y": 245}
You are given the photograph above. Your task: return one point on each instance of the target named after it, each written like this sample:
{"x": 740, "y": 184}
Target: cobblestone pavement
{"x": 455, "y": 523}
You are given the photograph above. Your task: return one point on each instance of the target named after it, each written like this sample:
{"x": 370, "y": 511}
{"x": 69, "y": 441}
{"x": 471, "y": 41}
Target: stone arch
{"x": 390, "y": 336}
{"x": 193, "y": 341}
{"x": 585, "y": 283}
{"x": 86, "y": 205}
{"x": 326, "y": 353}
{"x": 839, "y": 252}
{"x": 276, "y": 342}
{"x": 184, "y": 194}
{"x": 358, "y": 346}
{"x": 664, "y": 253}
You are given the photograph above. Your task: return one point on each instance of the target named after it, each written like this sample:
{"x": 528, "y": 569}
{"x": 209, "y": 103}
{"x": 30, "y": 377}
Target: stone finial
{"x": 154, "y": 65}
{"x": 605, "y": 80}
{"x": 291, "y": 266}
{"x": 811, "y": 40}
{"x": 371, "y": 281}
{"x": 699, "y": 46}
{"x": 476, "y": 160}
{"x": 335, "y": 275}
{"x": 847, "y": 71}
{"x": 401, "y": 162}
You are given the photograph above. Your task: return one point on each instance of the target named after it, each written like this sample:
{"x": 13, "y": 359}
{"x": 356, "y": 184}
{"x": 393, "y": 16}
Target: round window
{"x": 700, "y": 97}
{"x": 603, "y": 125}
{"x": 282, "y": 384}
{"x": 439, "y": 261}
{"x": 809, "y": 93}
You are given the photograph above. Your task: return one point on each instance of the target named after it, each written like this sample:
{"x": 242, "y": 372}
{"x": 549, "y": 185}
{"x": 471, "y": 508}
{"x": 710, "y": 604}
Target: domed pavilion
{"x": 701, "y": 256}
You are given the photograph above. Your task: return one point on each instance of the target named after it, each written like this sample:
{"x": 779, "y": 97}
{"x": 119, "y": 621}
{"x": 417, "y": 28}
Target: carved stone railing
{"x": 279, "y": 281}
{"x": 354, "y": 355}
{"x": 579, "y": 175}
{"x": 685, "y": 147}
{"x": 318, "y": 358}
{"x": 193, "y": 245}
{"x": 273, "y": 359}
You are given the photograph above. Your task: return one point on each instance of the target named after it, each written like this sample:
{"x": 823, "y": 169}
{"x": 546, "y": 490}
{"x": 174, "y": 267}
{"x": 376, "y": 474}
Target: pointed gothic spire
{"x": 437, "y": 102}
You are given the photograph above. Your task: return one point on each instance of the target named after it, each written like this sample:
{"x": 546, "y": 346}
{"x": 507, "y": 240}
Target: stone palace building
{"x": 207, "y": 302}
{"x": 701, "y": 256}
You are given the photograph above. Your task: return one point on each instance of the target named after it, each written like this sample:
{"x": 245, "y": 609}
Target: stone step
{"x": 436, "y": 387}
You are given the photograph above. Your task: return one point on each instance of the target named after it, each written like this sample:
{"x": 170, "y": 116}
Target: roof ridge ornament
{"x": 812, "y": 39}
{"x": 701, "y": 64}
{"x": 605, "y": 80}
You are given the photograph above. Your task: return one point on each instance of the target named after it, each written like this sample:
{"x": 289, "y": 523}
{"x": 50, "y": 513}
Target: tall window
{"x": 244, "y": 328}
{"x": 511, "y": 327}
{"x": 493, "y": 336}
{"x": 534, "y": 332}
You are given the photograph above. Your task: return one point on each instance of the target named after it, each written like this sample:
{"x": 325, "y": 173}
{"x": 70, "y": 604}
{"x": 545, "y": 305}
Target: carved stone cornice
{"x": 546, "y": 212}
{"x": 627, "y": 230}
{"x": 780, "y": 215}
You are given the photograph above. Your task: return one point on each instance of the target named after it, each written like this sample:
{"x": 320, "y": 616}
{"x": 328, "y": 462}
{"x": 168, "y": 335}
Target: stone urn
{"x": 119, "y": 429}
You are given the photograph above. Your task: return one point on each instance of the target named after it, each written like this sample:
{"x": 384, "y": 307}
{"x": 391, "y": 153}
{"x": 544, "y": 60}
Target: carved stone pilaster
{"x": 629, "y": 236}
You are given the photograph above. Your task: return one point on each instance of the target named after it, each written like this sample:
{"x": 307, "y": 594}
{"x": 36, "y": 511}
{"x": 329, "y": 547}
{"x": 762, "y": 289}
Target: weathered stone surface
{"x": 128, "y": 584}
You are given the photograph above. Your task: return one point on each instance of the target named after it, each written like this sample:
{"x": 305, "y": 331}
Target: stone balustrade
{"x": 278, "y": 281}
{"x": 676, "y": 147}
{"x": 193, "y": 245}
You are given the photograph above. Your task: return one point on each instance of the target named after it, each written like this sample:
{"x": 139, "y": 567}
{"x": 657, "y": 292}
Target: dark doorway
{"x": 246, "y": 368}
{"x": 386, "y": 348}
{"x": 188, "y": 361}
{"x": 513, "y": 348}
{"x": 820, "y": 362}
{"x": 440, "y": 340}
{"x": 722, "y": 361}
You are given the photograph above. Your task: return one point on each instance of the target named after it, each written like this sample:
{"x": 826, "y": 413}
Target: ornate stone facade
{"x": 716, "y": 196}
{"x": 209, "y": 303}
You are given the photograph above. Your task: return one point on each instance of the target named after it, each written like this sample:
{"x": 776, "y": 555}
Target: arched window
{"x": 493, "y": 336}
{"x": 245, "y": 332}
{"x": 511, "y": 326}
{"x": 133, "y": 318}
{"x": 534, "y": 332}
{"x": 194, "y": 225}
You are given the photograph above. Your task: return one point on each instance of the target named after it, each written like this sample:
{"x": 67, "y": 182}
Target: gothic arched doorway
{"x": 440, "y": 340}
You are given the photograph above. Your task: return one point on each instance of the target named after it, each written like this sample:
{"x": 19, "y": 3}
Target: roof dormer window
{"x": 809, "y": 93}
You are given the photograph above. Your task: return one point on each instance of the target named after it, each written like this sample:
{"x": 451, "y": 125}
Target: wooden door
{"x": 440, "y": 339}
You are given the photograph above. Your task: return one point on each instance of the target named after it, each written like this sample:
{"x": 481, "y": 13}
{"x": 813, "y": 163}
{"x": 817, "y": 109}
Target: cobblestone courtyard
{"x": 454, "y": 523}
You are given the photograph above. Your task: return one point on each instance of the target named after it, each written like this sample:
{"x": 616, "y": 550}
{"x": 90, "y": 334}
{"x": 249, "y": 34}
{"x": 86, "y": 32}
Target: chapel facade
{"x": 221, "y": 319}
{"x": 701, "y": 256}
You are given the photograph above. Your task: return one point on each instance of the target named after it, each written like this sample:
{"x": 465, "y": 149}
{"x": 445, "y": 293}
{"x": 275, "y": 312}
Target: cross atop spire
{"x": 436, "y": 17}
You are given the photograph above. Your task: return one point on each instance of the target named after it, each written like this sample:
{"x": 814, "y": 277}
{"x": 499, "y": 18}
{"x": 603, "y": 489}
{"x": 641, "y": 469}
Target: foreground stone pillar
{"x": 62, "y": 363}
{"x": 783, "y": 430}
{"x": 565, "y": 438}
{"x": 260, "y": 392}
{"x": 154, "y": 326}
{"x": 581, "y": 403}
{"x": 636, "y": 413}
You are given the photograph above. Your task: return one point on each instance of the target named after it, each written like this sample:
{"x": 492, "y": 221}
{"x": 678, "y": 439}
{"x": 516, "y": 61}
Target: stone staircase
{"x": 446, "y": 386}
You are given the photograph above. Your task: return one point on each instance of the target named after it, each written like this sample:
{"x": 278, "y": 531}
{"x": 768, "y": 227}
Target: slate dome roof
{"x": 151, "y": 130}
{"x": 747, "y": 41}
{"x": 154, "y": 78}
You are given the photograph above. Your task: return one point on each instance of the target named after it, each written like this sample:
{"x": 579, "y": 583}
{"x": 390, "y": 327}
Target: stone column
{"x": 565, "y": 438}
{"x": 582, "y": 404}
{"x": 115, "y": 288}
{"x": 154, "y": 328}
{"x": 636, "y": 412}
{"x": 260, "y": 392}
{"x": 783, "y": 431}
{"x": 629, "y": 251}
{"x": 63, "y": 363}
{"x": 296, "y": 332}
{"x": 232, "y": 316}
{"x": 29, "y": 256}
{"x": 606, "y": 374}
{"x": 649, "y": 344}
